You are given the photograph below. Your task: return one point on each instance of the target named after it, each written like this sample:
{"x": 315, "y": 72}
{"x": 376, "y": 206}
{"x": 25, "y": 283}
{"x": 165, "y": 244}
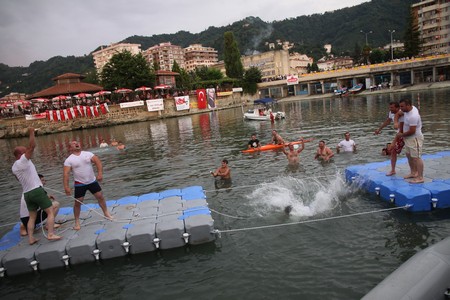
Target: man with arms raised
{"x": 412, "y": 134}
{"x": 292, "y": 155}
{"x": 34, "y": 194}
{"x": 80, "y": 163}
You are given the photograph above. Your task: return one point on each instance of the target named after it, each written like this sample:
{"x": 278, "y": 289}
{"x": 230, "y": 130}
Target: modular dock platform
{"x": 169, "y": 219}
{"x": 432, "y": 194}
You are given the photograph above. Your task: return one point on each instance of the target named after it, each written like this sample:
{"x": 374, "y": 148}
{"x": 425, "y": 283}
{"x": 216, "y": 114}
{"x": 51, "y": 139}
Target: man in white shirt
{"x": 80, "y": 163}
{"x": 347, "y": 145}
{"x": 412, "y": 134}
{"x": 34, "y": 194}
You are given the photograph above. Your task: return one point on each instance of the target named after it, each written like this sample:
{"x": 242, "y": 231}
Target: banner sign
{"x": 211, "y": 94}
{"x": 73, "y": 112}
{"x": 36, "y": 116}
{"x": 237, "y": 90}
{"x": 292, "y": 79}
{"x": 155, "y": 104}
{"x": 131, "y": 104}
{"x": 222, "y": 94}
{"x": 182, "y": 103}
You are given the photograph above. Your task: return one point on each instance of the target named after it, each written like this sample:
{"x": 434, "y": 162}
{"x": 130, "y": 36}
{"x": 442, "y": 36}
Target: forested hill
{"x": 340, "y": 28}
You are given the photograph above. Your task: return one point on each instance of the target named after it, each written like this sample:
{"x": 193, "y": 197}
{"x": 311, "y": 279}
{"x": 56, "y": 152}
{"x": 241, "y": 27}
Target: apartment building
{"x": 198, "y": 56}
{"x": 433, "y": 20}
{"x": 299, "y": 62}
{"x": 102, "y": 56}
{"x": 273, "y": 64}
{"x": 164, "y": 55}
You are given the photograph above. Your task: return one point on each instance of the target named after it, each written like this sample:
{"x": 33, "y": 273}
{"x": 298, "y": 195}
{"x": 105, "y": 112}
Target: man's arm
{"x": 99, "y": 166}
{"x": 411, "y": 131}
{"x": 385, "y": 123}
{"x": 330, "y": 154}
{"x": 66, "y": 174}
{"x": 31, "y": 145}
{"x": 303, "y": 146}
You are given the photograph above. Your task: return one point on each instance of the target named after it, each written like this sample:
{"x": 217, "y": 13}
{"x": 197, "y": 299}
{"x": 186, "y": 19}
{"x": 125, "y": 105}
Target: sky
{"x": 32, "y": 30}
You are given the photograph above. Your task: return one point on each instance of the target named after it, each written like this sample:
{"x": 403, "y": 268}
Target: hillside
{"x": 340, "y": 28}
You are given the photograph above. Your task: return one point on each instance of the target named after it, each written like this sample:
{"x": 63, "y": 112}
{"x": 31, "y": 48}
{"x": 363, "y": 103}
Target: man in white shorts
{"x": 412, "y": 134}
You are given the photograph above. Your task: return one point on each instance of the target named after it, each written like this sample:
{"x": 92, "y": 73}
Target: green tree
{"x": 412, "y": 37}
{"x": 251, "y": 77}
{"x": 204, "y": 73}
{"x": 378, "y": 56}
{"x": 126, "y": 70}
{"x": 232, "y": 56}
{"x": 357, "y": 51}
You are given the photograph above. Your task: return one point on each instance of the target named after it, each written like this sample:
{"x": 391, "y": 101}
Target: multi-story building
{"x": 164, "y": 55}
{"x": 334, "y": 63}
{"x": 299, "y": 63}
{"x": 433, "y": 20}
{"x": 272, "y": 64}
{"x": 197, "y": 56}
{"x": 102, "y": 56}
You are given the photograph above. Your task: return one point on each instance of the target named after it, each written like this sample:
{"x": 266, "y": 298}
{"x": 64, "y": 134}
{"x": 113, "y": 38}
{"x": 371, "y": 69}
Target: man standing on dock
{"x": 395, "y": 116}
{"x": 34, "y": 194}
{"x": 412, "y": 134}
{"x": 80, "y": 163}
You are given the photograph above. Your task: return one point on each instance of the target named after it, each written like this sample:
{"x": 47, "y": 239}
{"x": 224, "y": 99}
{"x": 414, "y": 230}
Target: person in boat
{"x": 293, "y": 154}
{"x": 103, "y": 144}
{"x": 80, "y": 164}
{"x": 323, "y": 152}
{"x": 254, "y": 142}
{"x": 276, "y": 138}
{"x": 120, "y": 146}
{"x": 41, "y": 215}
{"x": 347, "y": 144}
{"x": 224, "y": 174}
{"x": 34, "y": 194}
{"x": 396, "y": 117}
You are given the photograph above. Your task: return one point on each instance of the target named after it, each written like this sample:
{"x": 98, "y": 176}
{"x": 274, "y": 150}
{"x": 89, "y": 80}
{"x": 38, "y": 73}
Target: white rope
{"x": 229, "y": 216}
{"x": 311, "y": 221}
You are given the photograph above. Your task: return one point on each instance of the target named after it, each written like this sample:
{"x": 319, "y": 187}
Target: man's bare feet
{"x": 76, "y": 227}
{"x": 416, "y": 180}
{"x": 109, "y": 217}
{"x": 32, "y": 241}
{"x": 55, "y": 226}
{"x": 410, "y": 176}
{"x": 23, "y": 231}
{"x": 53, "y": 237}
{"x": 390, "y": 173}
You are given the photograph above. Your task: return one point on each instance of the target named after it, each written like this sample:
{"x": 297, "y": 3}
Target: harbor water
{"x": 338, "y": 242}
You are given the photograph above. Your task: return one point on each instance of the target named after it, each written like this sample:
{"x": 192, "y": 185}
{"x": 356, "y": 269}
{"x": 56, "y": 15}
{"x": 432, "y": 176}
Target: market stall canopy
{"x": 39, "y": 100}
{"x": 123, "y": 91}
{"x": 143, "y": 89}
{"x": 162, "y": 87}
{"x": 102, "y": 93}
{"x": 83, "y": 95}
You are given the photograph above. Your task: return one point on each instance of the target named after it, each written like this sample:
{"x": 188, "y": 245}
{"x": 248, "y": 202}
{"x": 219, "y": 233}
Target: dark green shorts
{"x": 37, "y": 198}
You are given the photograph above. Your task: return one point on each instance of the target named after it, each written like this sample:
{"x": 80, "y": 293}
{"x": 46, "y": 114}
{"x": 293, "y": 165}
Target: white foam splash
{"x": 307, "y": 196}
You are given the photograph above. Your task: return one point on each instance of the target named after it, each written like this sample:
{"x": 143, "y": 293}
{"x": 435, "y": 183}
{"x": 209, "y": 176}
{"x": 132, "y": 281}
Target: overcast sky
{"x": 33, "y": 30}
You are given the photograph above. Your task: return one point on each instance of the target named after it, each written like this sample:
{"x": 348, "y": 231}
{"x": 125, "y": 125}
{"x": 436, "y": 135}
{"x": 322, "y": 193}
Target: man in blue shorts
{"x": 80, "y": 163}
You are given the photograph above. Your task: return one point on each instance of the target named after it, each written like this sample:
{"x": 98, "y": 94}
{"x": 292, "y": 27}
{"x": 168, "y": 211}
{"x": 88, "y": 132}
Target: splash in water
{"x": 299, "y": 197}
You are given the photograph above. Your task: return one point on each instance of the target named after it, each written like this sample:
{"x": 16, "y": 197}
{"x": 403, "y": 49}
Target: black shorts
{"x": 80, "y": 190}
{"x": 41, "y": 216}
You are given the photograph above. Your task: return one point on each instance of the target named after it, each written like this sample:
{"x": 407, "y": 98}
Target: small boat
{"x": 273, "y": 146}
{"x": 263, "y": 112}
{"x": 356, "y": 89}
{"x": 341, "y": 91}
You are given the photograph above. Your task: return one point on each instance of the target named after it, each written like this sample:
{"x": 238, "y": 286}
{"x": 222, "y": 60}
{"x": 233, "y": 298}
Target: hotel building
{"x": 102, "y": 56}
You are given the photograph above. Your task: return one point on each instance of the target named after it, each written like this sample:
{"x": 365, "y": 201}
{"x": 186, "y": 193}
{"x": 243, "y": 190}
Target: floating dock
{"x": 432, "y": 194}
{"x": 145, "y": 223}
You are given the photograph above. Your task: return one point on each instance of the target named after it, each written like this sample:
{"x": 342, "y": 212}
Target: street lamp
{"x": 366, "y": 33}
{"x": 392, "y": 47}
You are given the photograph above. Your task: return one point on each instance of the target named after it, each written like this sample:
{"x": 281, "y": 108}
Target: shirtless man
{"x": 276, "y": 138}
{"x": 223, "y": 171}
{"x": 323, "y": 152}
{"x": 34, "y": 194}
{"x": 292, "y": 155}
{"x": 80, "y": 163}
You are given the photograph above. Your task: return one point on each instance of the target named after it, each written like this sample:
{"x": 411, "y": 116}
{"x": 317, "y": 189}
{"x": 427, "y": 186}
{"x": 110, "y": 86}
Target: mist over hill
{"x": 340, "y": 28}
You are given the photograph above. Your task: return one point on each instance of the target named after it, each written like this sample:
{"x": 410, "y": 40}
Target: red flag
{"x": 55, "y": 115}
{"x": 95, "y": 111}
{"x": 201, "y": 99}
{"x": 103, "y": 109}
{"x": 69, "y": 114}
{"x": 47, "y": 114}
{"x": 87, "y": 112}
{"x": 80, "y": 110}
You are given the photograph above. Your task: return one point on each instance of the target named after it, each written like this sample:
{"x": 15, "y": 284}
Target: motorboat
{"x": 262, "y": 111}
{"x": 356, "y": 89}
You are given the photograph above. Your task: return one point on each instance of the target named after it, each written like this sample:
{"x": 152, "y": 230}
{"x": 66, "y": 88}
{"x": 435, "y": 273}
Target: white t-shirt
{"x": 26, "y": 173}
{"x": 347, "y": 145}
{"x": 81, "y": 165}
{"x": 412, "y": 118}
{"x": 401, "y": 119}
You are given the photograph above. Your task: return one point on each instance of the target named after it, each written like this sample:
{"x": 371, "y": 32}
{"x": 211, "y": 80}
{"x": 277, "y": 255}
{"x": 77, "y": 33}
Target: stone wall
{"x": 17, "y": 127}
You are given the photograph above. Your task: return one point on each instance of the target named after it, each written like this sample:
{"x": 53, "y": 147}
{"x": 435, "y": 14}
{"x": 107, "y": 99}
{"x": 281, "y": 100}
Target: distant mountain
{"x": 340, "y": 28}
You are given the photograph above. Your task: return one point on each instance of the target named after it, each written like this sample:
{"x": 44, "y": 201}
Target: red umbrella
{"x": 83, "y": 95}
{"x": 123, "y": 91}
{"x": 61, "y": 97}
{"x": 143, "y": 89}
{"x": 102, "y": 93}
{"x": 39, "y": 100}
{"x": 162, "y": 87}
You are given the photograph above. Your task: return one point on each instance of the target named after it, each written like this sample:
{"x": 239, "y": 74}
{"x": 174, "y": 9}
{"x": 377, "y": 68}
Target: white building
{"x": 102, "y": 56}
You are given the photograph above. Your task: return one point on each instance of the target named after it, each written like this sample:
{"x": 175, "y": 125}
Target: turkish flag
{"x": 80, "y": 110}
{"x": 65, "y": 114}
{"x": 201, "y": 99}
{"x": 47, "y": 115}
{"x": 55, "y": 115}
